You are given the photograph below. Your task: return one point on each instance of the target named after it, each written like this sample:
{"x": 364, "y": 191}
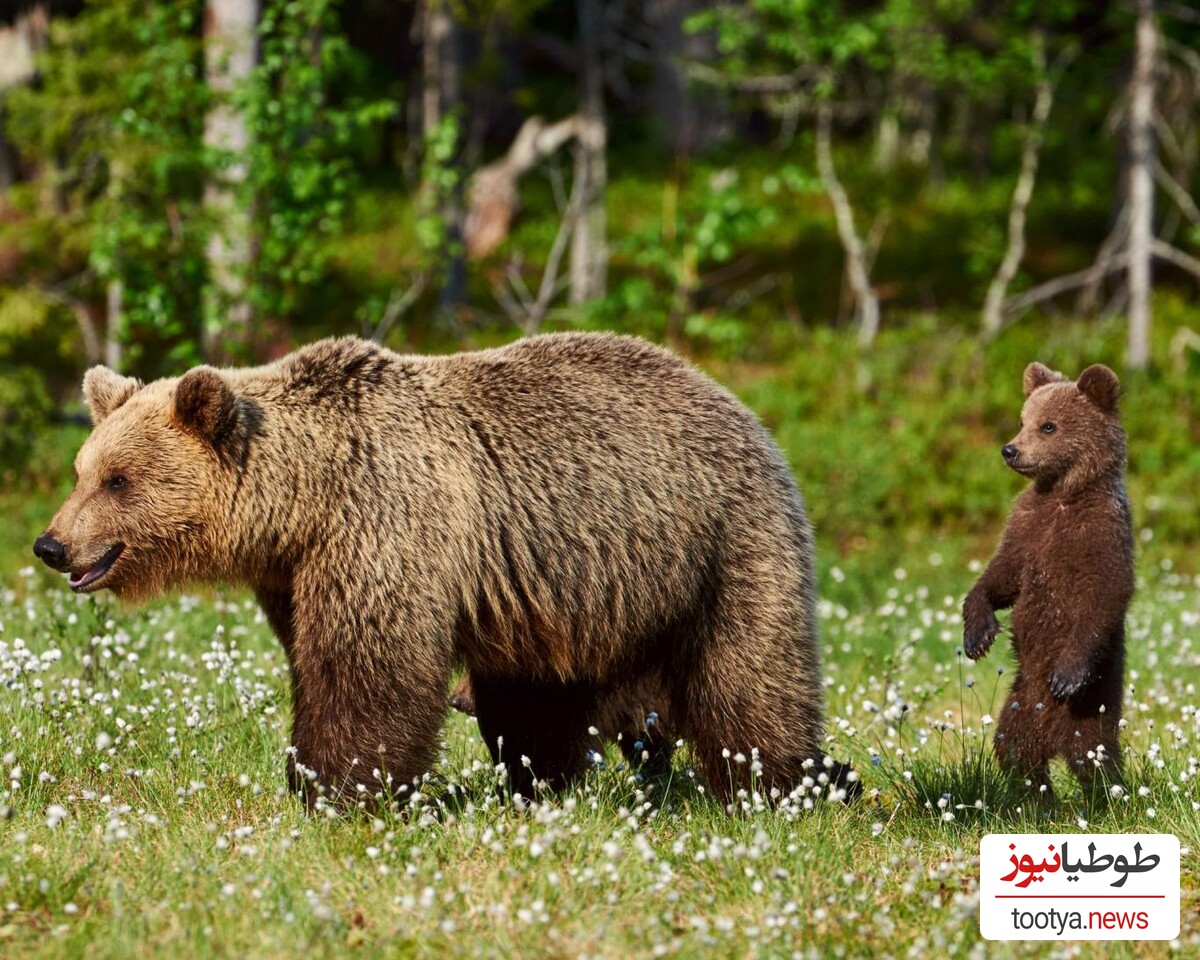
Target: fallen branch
{"x": 92, "y": 347}
{"x": 492, "y": 197}
{"x": 526, "y": 310}
{"x": 399, "y": 304}
{"x": 856, "y": 266}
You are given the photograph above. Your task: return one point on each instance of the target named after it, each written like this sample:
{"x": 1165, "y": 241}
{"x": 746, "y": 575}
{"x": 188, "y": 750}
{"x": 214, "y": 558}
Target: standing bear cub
{"x": 575, "y": 519}
{"x": 1065, "y": 566}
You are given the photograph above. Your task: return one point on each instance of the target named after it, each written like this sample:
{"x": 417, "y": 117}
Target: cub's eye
{"x": 116, "y": 482}
{"x": 1048, "y": 428}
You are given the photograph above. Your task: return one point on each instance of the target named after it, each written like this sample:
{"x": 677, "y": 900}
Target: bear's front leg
{"x": 363, "y": 740}
{"x": 996, "y": 589}
{"x": 369, "y": 698}
{"x": 980, "y": 626}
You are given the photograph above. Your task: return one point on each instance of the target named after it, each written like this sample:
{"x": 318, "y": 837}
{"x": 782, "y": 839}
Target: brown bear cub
{"x": 585, "y": 522}
{"x": 1065, "y": 566}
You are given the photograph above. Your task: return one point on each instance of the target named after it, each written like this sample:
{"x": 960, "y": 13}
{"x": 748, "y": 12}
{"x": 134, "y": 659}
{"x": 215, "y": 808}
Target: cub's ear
{"x": 1100, "y": 385}
{"x": 1038, "y": 375}
{"x": 104, "y": 390}
{"x": 206, "y": 407}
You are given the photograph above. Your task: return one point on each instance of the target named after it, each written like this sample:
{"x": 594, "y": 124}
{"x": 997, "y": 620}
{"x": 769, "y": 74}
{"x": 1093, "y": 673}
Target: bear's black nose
{"x": 52, "y": 553}
{"x": 1009, "y": 452}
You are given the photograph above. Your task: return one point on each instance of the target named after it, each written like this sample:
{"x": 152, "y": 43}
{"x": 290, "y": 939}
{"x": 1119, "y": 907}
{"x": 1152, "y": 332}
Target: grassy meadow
{"x": 142, "y": 751}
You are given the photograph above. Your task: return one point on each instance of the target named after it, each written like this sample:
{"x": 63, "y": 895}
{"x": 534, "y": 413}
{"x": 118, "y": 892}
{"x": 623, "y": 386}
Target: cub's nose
{"x": 52, "y": 553}
{"x": 1009, "y": 452}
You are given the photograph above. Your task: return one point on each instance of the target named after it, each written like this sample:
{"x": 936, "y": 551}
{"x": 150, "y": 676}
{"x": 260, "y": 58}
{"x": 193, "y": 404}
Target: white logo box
{"x": 1079, "y": 886}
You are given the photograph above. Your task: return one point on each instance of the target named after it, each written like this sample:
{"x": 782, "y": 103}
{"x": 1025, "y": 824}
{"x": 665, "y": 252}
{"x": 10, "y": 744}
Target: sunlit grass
{"x": 142, "y": 758}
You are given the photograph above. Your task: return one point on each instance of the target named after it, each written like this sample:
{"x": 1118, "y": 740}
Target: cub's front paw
{"x": 978, "y": 634}
{"x": 1065, "y": 682}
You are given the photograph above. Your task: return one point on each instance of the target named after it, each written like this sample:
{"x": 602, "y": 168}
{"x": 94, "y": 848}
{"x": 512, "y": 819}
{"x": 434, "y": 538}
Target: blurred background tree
{"x": 867, "y": 215}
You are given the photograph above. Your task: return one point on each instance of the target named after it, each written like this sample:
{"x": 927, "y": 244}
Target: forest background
{"x": 865, "y": 216}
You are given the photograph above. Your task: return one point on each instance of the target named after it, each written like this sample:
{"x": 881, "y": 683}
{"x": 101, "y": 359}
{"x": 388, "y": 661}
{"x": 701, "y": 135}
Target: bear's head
{"x": 156, "y": 472}
{"x": 1070, "y": 431}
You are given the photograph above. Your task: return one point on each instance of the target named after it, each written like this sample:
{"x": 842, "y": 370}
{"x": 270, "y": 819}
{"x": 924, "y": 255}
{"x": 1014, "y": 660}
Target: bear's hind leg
{"x": 752, "y": 704}
{"x": 1100, "y": 771}
{"x": 1020, "y": 743}
{"x": 538, "y": 730}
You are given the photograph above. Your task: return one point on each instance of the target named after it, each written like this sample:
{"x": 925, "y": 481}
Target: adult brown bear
{"x": 569, "y": 517}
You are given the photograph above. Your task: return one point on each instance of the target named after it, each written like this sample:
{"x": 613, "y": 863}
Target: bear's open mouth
{"x": 88, "y": 579}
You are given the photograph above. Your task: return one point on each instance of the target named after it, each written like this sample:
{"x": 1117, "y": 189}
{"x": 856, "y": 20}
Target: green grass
{"x": 148, "y": 815}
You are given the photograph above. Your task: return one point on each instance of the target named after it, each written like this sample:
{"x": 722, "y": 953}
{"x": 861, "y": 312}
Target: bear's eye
{"x": 1048, "y": 428}
{"x": 116, "y": 482}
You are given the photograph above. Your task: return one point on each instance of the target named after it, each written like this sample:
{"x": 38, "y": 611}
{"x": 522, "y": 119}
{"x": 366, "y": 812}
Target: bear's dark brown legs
{"x": 1097, "y": 774}
{"x": 647, "y": 747}
{"x": 1021, "y": 746}
{"x": 539, "y": 731}
{"x": 356, "y": 750}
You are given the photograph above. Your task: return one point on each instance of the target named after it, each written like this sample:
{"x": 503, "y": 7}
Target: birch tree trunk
{"x": 1141, "y": 184}
{"x": 993, "y": 307}
{"x": 230, "y": 55}
{"x": 589, "y": 247}
{"x": 856, "y": 263}
{"x": 114, "y": 306}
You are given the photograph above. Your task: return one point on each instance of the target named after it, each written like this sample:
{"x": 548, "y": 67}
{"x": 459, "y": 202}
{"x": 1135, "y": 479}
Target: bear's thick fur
{"x": 571, "y": 517}
{"x": 1065, "y": 566}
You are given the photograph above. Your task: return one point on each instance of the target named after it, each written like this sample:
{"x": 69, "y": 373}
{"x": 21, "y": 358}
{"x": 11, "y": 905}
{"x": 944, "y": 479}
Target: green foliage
{"x": 440, "y": 178}
{"x": 696, "y": 231}
{"x": 299, "y": 173}
{"x": 31, "y": 332}
{"x": 902, "y": 446}
{"x": 120, "y": 112}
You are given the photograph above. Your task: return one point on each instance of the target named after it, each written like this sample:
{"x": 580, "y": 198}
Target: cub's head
{"x": 150, "y": 482}
{"x": 1070, "y": 432}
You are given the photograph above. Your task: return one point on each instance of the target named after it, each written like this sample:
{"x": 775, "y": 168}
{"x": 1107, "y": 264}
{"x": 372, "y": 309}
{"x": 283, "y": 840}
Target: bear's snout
{"x": 1010, "y": 453}
{"x": 52, "y": 553}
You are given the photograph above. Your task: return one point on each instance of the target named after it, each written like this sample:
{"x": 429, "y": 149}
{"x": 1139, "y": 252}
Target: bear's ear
{"x": 1038, "y": 375}
{"x": 104, "y": 390}
{"x": 1100, "y": 385}
{"x": 206, "y": 407}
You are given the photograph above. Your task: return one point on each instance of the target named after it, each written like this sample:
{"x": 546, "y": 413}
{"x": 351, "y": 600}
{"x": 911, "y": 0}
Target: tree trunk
{"x": 441, "y": 95}
{"x": 589, "y": 249}
{"x": 856, "y": 263}
{"x": 687, "y": 123}
{"x": 230, "y": 55}
{"x": 1141, "y": 184}
{"x": 114, "y": 307}
{"x": 19, "y": 47}
{"x": 998, "y": 289}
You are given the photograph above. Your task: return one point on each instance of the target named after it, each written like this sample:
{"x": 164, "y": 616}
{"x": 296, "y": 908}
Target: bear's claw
{"x": 978, "y": 637}
{"x": 1065, "y": 683}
